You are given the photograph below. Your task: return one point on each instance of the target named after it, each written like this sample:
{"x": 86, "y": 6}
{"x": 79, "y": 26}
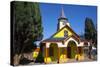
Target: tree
{"x": 90, "y": 31}
{"x": 27, "y": 28}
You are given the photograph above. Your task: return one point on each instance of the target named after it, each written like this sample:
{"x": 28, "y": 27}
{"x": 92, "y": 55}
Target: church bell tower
{"x": 62, "y": 20}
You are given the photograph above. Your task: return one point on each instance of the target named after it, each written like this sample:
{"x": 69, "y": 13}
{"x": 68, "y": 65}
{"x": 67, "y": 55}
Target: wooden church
{"x": 63, "y": 45}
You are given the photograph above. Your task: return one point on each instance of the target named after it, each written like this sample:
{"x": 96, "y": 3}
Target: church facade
{"x": 63, "y": 45}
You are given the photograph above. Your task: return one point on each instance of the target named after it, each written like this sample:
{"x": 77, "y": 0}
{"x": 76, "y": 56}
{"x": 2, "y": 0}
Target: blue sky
{"x": 76, "y": 15}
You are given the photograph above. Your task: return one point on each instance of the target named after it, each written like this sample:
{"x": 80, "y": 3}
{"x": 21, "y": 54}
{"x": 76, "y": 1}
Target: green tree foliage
{"x": 40, "y": 58}
{"x": 90, "y": 31}
{"x": 27, "y": 26}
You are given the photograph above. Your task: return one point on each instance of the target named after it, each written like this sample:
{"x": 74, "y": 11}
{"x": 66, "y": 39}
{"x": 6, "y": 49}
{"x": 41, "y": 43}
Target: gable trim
{"x": 68, "y": 28}
{"x": 74, "y": 37}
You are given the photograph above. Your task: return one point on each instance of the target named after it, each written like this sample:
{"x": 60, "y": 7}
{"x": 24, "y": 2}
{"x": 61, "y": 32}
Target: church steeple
{"x": 62, "y": 20}
{"x": 62, "y": 13}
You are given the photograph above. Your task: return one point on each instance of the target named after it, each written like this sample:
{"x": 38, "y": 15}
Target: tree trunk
{"x": 17, "y": 59}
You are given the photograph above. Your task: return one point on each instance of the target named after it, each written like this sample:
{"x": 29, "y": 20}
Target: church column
{"x": 58, "y": 54}
{"x": 46, "y": 51}
{"x": 46, "y": 54}
{"x": 77, "y": 53}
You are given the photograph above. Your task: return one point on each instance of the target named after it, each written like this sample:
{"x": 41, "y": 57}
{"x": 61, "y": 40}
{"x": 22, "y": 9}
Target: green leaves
{"x": 28, "y": 24}
{"x": 90, "y": 30}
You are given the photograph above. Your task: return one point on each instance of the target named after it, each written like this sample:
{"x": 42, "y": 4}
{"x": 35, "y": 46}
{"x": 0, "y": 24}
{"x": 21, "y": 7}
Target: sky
{"x": 75, "y": 14}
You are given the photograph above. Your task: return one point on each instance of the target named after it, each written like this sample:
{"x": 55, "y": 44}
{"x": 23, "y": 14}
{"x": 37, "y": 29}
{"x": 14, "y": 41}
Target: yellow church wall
{"x": 62, "y": 57}
{"x": 61, "y": 33}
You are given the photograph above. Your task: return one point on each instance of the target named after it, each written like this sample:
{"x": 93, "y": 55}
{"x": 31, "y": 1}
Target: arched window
{"x": 65, "y": 33}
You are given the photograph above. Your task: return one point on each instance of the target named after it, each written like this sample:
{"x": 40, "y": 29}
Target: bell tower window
{"x": 64, "y": 23}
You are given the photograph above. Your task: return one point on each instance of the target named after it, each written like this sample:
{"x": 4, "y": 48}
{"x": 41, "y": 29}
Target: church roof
{"x": 54, "y": 40}
{"x": 61, "y": 39}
